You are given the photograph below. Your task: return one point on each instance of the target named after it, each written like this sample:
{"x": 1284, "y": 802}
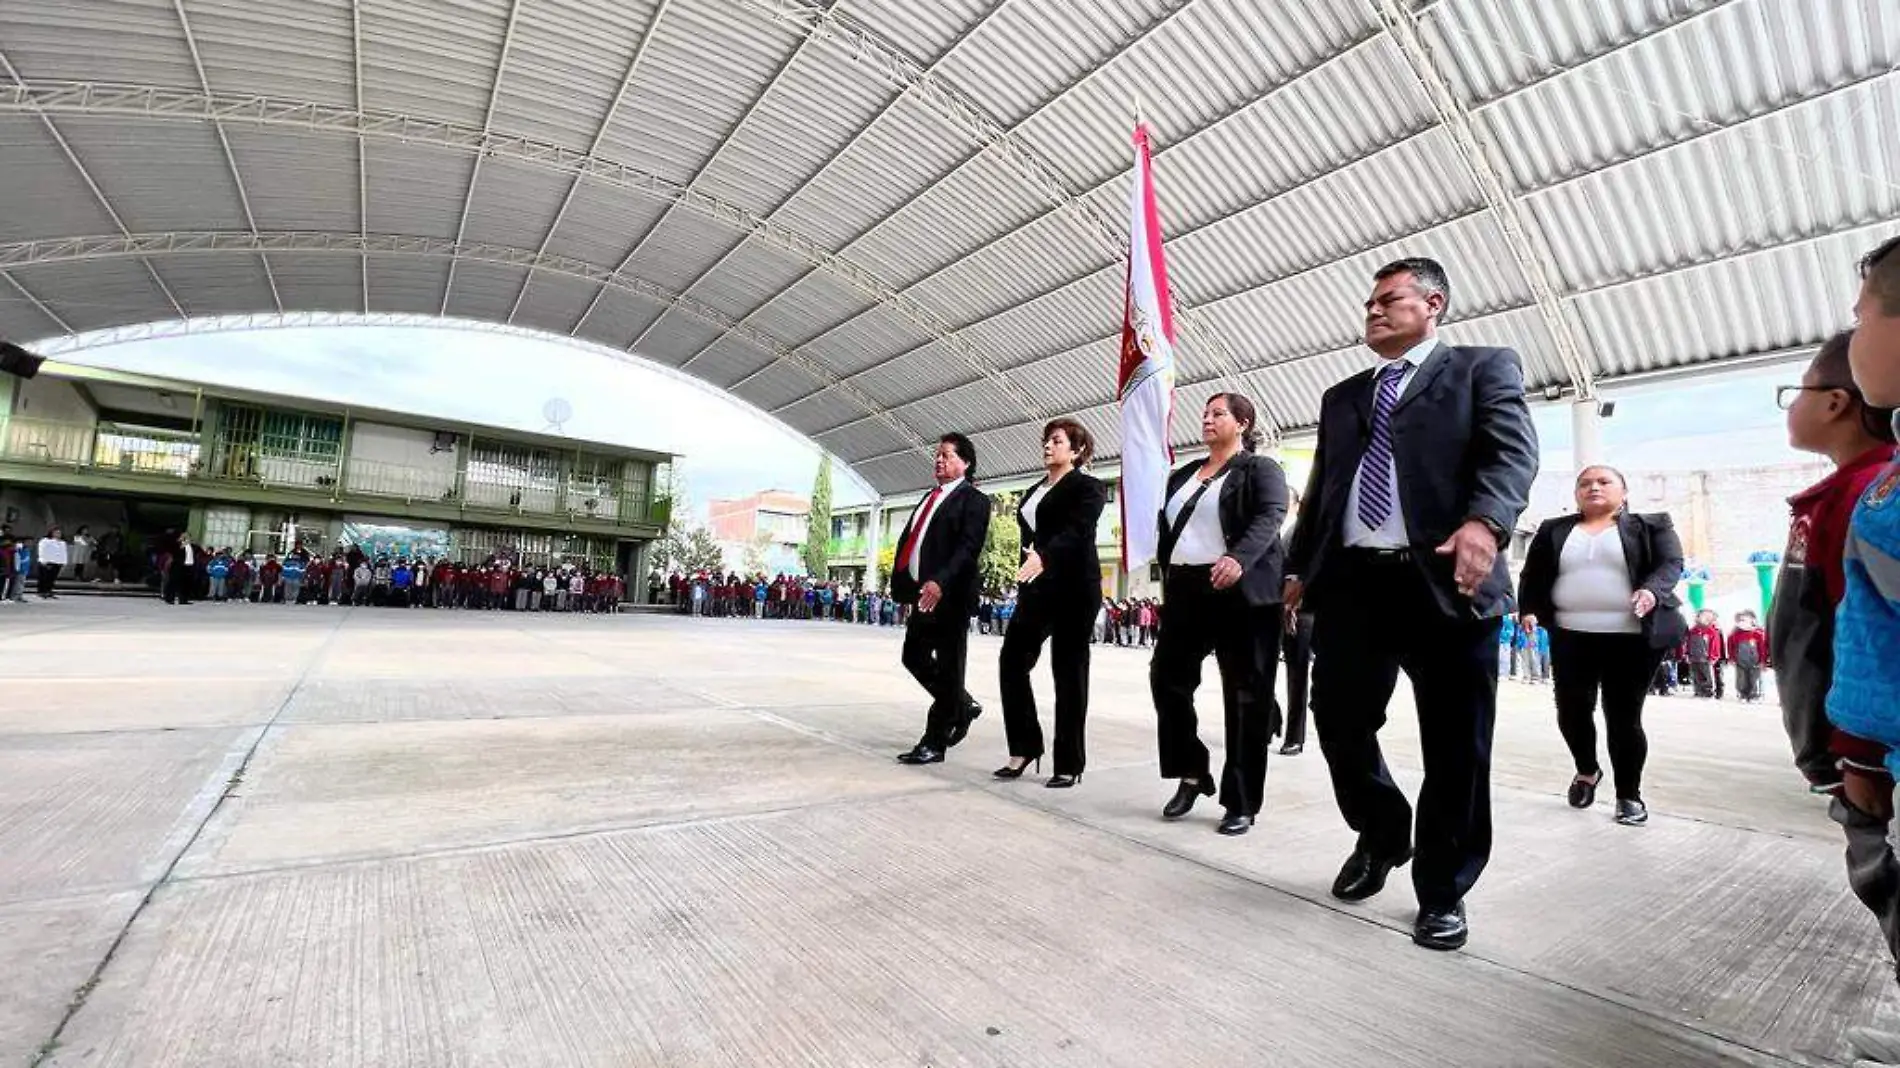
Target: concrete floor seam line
{"x": 939, "y": 772}
{"x": 499, "y": 844}
{"x": 55, "y": 630}
{"x": 84, "y": 991}
{"x": 1326, "y": 904}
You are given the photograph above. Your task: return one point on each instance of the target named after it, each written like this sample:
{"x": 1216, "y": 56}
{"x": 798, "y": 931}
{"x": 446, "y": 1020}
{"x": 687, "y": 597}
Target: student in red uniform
{"x": 1826, "y": 415}
{"x": 1748, "y": 649}
{"x": 1705, "y": 654}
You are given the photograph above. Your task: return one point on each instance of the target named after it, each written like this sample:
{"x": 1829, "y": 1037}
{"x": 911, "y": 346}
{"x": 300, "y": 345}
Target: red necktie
{"x": 917, "y": 528}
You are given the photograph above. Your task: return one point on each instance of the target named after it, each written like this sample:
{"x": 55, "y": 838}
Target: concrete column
{"x": 874, "y": 545}
{"x": 1586, "y": 436}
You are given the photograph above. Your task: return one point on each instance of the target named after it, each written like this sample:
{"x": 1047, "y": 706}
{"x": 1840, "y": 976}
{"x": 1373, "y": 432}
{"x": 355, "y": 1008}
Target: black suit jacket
{"x": 1464, "y": 447}
{"x": 1651, "y": 551}
{"x": 948, "y": 555}
{"x": 1252, "y": 505}
{"x": 1065, "y": 537}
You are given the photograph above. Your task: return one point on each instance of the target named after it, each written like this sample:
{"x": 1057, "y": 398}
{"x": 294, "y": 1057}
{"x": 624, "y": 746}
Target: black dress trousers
{"x": 1203, "y": 620}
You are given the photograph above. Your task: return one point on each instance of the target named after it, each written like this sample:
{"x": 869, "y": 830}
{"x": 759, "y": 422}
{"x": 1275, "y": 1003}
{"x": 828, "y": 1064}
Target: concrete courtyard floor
{"x": 245, "y": 836}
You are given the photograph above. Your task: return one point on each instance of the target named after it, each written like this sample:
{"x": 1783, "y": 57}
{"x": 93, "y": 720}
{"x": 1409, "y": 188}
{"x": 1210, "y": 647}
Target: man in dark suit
{"x": 1423, "y": 466}
{"x": 936, "y": 571}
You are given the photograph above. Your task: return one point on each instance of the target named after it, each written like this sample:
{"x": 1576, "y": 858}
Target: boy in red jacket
{"x": 1826, "y": 415}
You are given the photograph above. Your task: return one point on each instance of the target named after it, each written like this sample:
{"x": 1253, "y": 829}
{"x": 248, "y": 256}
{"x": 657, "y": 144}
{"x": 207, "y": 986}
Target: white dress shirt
{"x": 1593, "y": 589}
{"x": 1391, "y": 534}
{"x": 943, "y": 493}
{"x": 1034, "y": 502}
{"x": 1203, "y": 541}
{"x": 52, "y": 551}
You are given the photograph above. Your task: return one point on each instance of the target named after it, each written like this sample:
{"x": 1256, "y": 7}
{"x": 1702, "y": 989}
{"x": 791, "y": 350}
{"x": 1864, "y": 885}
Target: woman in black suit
{"x": 1221, "y": 559}
{"x": 1059, "y": 592}
{"x": 1605, "y": 580}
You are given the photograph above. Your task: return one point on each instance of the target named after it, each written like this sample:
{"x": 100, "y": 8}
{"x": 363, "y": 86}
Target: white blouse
{"x": 1203, "y": 542}
{"x": 1034, "y": 502}
{"x": 1593, "y": 589}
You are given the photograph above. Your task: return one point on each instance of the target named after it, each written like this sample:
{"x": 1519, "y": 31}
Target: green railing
{"x": 849, "y": 548}
{"x": 111, "y": 449}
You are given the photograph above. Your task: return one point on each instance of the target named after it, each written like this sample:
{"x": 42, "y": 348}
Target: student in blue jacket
{"x": 1864, "y": 700}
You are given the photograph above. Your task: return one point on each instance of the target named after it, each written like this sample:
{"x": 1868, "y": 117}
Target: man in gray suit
{"x": 1423, "y": 466}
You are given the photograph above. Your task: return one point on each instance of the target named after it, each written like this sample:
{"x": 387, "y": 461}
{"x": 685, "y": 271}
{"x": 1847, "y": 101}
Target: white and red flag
{"x": 1145, "y": 384}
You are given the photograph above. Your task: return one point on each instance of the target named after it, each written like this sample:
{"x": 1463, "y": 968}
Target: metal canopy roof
{"x": 882, "y": 219}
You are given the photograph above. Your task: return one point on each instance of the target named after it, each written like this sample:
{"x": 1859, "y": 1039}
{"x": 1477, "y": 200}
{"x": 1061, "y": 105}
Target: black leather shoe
{"x": 1184, "y": 798}
{"x": 1234, "y": 823}
{"x": 923, "y": 754}
{"x": 1063, "y": 782}
{"x": 1583, "y": 792}
{"x": 1365, "y": 872}
{"x": 962, "y": 730}
{"x": 1444, "y": 929}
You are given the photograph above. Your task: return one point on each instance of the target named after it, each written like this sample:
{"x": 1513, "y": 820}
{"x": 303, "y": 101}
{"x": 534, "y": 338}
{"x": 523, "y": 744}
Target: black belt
{"x": 1381, "y": 557}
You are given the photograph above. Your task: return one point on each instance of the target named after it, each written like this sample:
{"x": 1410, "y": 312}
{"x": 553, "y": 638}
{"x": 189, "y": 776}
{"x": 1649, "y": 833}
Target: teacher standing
{"x": 1058, "y": 593}
{"x": 1220, "y": 557}
{"x": 1424, "y": 463}
{"x": 1606, "y": 579}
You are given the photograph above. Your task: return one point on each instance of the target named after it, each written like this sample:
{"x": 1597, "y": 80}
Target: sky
{"x": 731, "y": 449}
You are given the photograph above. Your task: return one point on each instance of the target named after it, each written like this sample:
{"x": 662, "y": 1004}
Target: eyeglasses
{"x": 1785, "y": 395}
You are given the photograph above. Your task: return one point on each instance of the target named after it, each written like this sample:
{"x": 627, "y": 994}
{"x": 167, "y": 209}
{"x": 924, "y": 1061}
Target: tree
{"x": 1002, "y": 546}
{"x": 756, "y": 553}
{"x": 689, "y": 549}
{"x": 818, "y": 525}
{"x": 886, "y": 561}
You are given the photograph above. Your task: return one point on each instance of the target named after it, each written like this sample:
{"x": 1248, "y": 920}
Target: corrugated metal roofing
{"x": 881, "y": 220}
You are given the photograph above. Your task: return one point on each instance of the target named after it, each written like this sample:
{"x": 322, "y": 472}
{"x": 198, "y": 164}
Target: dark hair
{"x": 1243, "y": 412}
{"x": 1428, "y": 273}
{"x": 1620, "y": 480}
{"x": 1079, "y": 437}
{"x": 1831, "y": 367}
{"x": 965, "y": 449}
{"x": 1880, "y": 269}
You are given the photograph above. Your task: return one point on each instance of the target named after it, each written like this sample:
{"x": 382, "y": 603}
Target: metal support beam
{"x": 36, "y": 302}
{"x": 488, "y": 122}
{"x": 593, "y": 148}
{"x": 152, "y": 102}
{"x": 362, "y": 147}
{"x": 98, "y": 194}
{"x": 869, "y": 51}
{"x": 1526, "y": 243}
{"x": 818, "y": 172}
{"x": 66, "y": 250}
{"x": 732, "y": 134}
{"x": 230, "y": 159}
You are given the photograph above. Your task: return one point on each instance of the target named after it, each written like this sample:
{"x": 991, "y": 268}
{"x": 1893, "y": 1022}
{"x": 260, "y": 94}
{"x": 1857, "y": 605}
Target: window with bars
{"x": 247, "y": 434}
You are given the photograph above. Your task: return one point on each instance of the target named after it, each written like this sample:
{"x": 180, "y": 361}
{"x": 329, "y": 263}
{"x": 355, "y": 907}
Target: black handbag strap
{"x": 1172, "y": 535}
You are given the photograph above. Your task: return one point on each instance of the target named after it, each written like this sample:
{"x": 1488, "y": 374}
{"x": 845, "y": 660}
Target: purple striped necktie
{"x": 1375, "y": 468}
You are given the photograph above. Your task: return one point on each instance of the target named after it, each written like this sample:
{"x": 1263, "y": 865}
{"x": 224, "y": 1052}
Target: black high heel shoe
{"x": 1008, "y": 772}
{"x": 1063, "y": 782}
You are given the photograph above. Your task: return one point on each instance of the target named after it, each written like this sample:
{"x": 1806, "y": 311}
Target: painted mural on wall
{"x": 395, "y": 540}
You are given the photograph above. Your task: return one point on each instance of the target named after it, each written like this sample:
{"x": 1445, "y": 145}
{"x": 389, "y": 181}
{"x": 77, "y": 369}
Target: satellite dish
{"x": 557, "y": 411}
